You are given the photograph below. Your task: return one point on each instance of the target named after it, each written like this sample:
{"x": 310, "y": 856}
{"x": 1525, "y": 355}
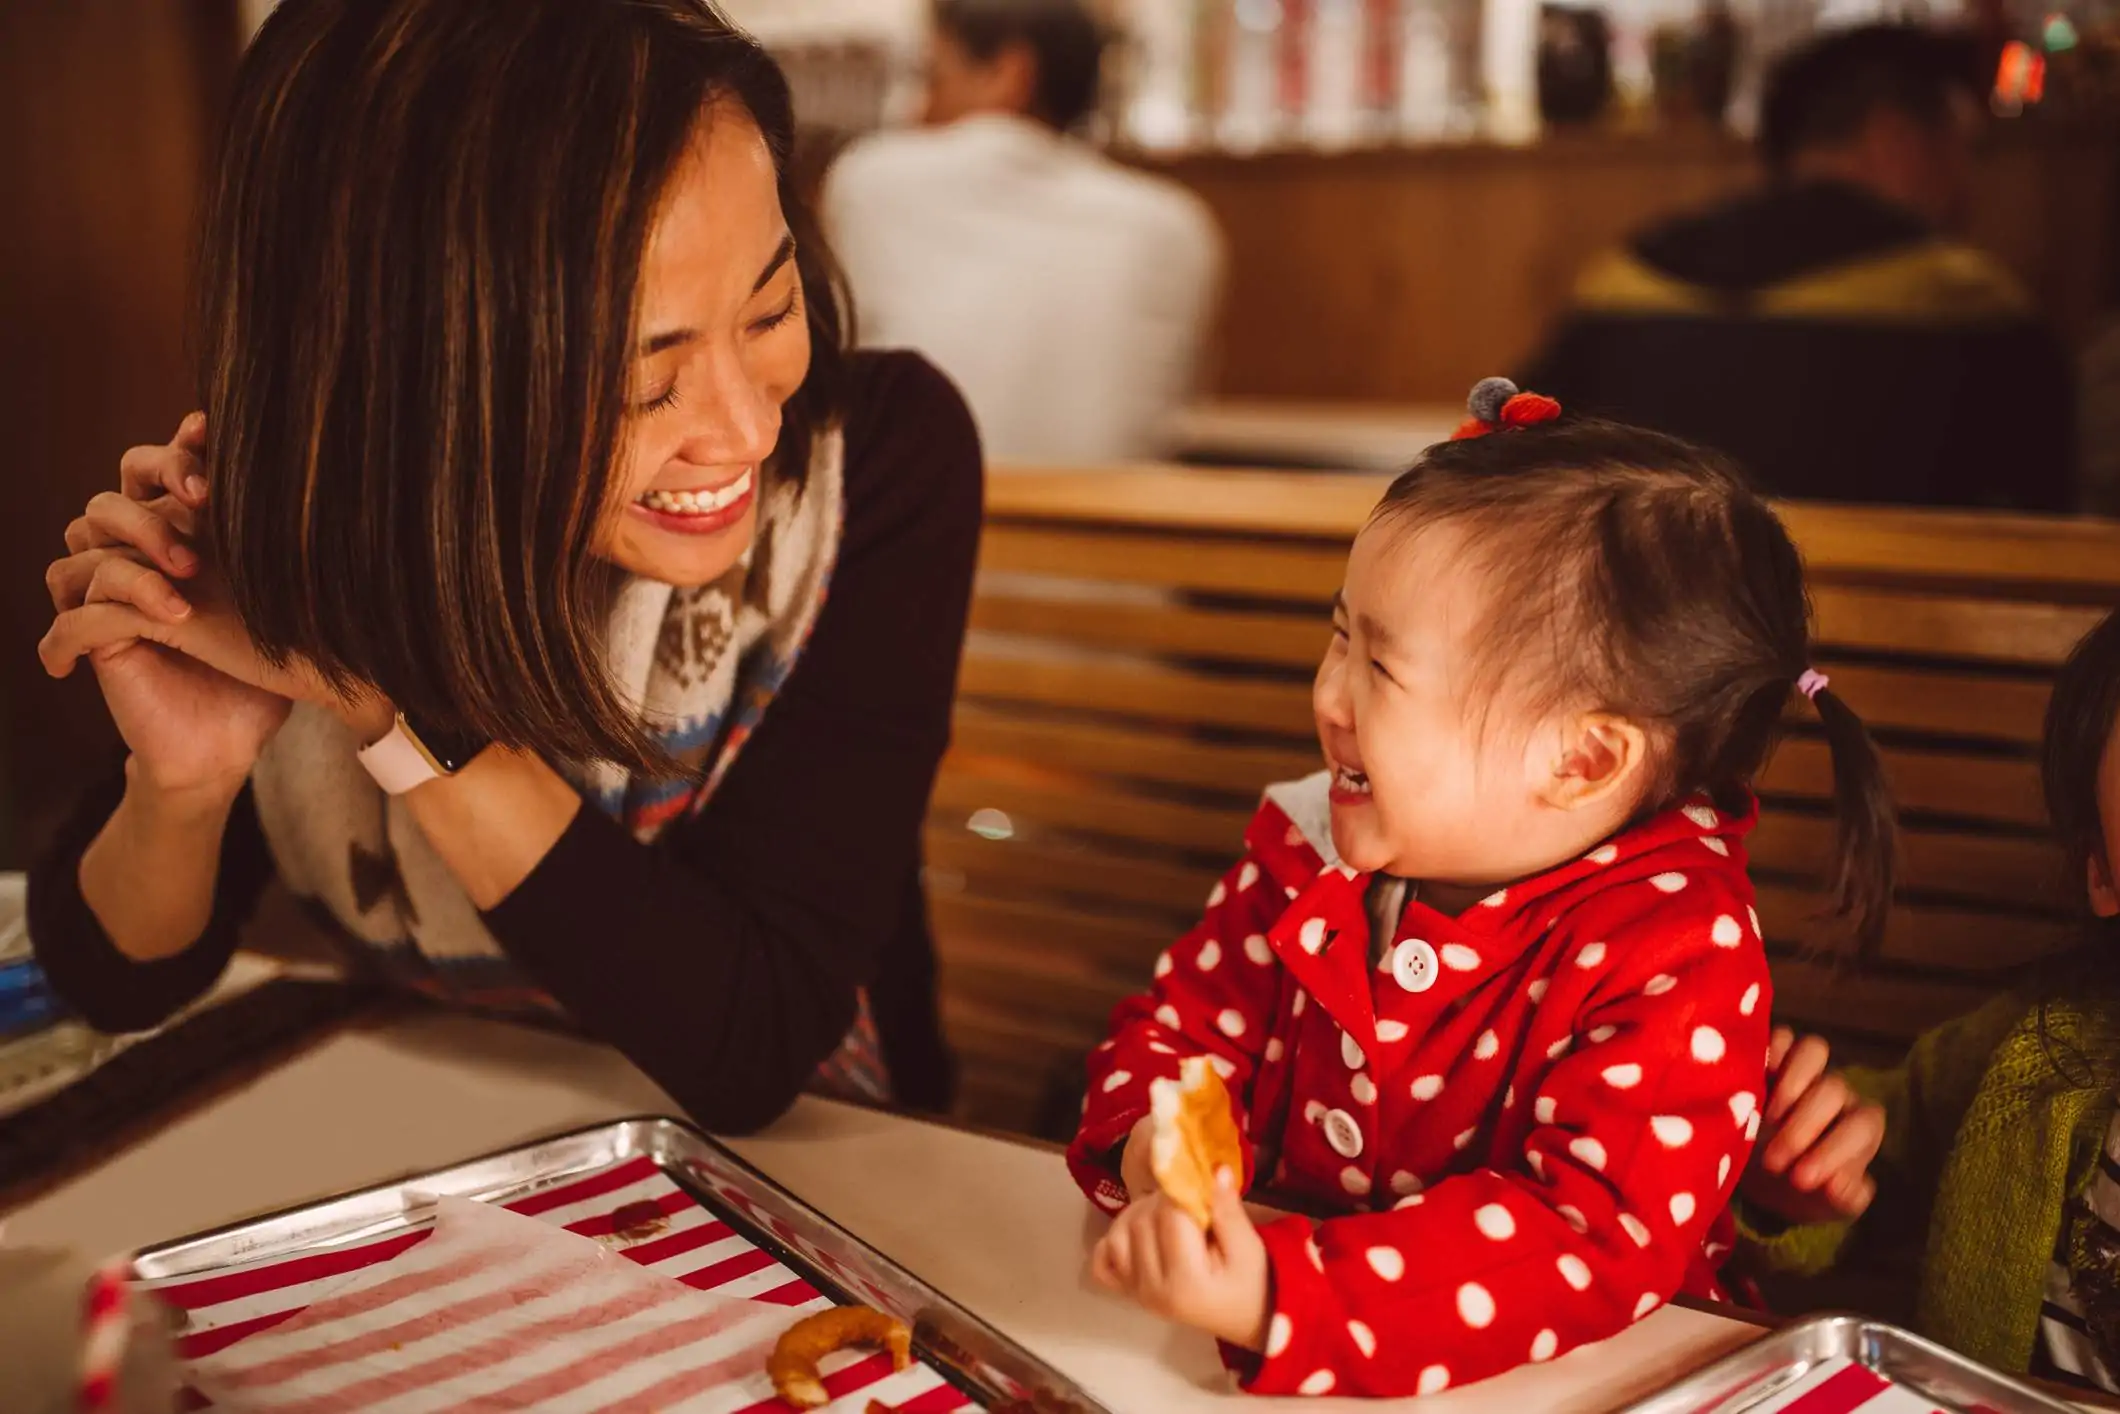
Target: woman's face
{"x": 723, "y": 344}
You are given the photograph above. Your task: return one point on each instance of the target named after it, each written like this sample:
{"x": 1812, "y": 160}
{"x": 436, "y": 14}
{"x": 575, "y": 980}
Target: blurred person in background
{"x": 1068, "y": 296}
{"x": 1829, "y": 329}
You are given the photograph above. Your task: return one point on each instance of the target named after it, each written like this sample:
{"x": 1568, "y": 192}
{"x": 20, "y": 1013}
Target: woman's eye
{"x": 779, "y": 317}
{"x": 666, "y": 399}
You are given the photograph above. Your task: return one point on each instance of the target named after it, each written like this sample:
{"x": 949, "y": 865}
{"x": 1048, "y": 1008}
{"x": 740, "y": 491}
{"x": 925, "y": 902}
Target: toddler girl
{"x": 1490, "y": 989}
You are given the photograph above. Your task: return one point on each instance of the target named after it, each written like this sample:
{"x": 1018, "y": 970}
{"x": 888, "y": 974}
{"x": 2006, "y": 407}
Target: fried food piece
{"x": 793, "y": 1364}
{"x": 1195, "y": 1134}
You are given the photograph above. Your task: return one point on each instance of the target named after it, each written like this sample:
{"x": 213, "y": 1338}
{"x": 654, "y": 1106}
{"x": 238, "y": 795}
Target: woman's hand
{"x": 187, "y": 690}
{"x": 1819, "y": 1136}
{"x": 1216, "y": 1281}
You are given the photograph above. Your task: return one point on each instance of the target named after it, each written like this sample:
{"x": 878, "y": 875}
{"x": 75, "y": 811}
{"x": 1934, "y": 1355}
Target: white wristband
{"x": 398, "y": 762}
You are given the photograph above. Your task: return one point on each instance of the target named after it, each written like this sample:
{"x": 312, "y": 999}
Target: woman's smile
{"x": 698, "y": 510}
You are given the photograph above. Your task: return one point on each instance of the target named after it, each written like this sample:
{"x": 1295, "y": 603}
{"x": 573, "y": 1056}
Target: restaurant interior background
{"x": 1399, "y": 219}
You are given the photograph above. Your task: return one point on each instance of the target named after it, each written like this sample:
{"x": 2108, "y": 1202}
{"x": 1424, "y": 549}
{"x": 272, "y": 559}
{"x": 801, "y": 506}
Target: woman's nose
{"x": 736, "y": 421}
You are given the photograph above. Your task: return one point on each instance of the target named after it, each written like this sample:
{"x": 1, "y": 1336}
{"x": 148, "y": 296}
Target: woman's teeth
{"x": 698, "y": 503}
{"x": 1347, "y": 779}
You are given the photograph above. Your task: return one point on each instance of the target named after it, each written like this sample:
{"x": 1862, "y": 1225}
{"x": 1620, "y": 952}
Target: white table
{"x": 996, "y": 1224}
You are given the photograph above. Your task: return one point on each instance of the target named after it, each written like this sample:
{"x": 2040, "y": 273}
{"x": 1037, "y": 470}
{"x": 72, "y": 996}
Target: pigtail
{"x": 1866, "y": 856}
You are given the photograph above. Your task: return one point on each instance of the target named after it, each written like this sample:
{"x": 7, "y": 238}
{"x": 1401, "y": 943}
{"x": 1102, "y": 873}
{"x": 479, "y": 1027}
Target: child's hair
{"x": 1639, "y": 574}
{"x": 2079, "y": 723}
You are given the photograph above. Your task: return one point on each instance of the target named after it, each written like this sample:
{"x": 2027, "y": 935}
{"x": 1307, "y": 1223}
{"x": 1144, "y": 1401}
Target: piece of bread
{"x": 1195, "y": 1134}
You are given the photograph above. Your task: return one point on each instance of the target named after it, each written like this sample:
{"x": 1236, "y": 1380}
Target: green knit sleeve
{"x": 1924, "y": 1101}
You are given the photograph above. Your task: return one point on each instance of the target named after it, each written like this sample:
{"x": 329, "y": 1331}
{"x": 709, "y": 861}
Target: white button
{"x": 1413, "y": 963}
{"x": 1344, "y": 1133}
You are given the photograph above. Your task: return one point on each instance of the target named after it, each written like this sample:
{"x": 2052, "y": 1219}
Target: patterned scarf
{"x": 703, "y": 663}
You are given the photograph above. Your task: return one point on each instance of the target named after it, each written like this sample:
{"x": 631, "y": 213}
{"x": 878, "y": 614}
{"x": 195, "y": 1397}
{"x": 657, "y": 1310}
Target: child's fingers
{"x": 1853, "y": 1196}
{"x": 1150, "y": 1263}
{"x": 1847, "y": 1148}
{"x": 1802, "y": 1128}
{"x": 1115, "y": 1256}
{"x": 1235, "y": 1238}
{"x": 1181, "y": 1248}
{"x": 1800, "y": 1068}
{"x": 1778, "y": 1047}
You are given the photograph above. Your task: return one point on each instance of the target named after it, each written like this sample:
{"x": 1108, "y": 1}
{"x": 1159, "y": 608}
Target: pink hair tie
{"x": 1812, "y": 683}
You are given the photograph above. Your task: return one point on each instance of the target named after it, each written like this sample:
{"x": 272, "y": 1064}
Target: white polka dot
{"x": 1230, "y": 1023}
{"x": 1297, "y": 1002}
{"x": 1722, "y": 1172}
{"x": 1311, "y": 936}
{"x": 1351, "y": 1052}
{"x": 1365, "y": 1339}
{"x": 1427, "y": 1087}
{"x": 1391, "y": 1032}
{"x": 1316, "y": 1382}
{"x": 1708, "y": 1046}
{"x": 1753, "y": 914}
{"x": 1575, "y": 1271}
{"x": 1544, "y": 1108}
{"x": 1648, "y": 1303}
{"x": 1742, "y": 1104}
{"x": 1464, "y": 1139}
{"x": 1588, "y": 1151}
{"x": 1715, "y": 846}
{"x": 1559, "y": 1048}
{"x": 1224, "y": 1066}
{"x": 1404, "y": 1183}
{"x": 1752, "y": 1126}
{"x": 1749, "y": 1002}
{"x": 1168, "y": 1015}
{"x": 1313, "y": 1110}
{"x": 1509, "y": 1098}
{"x": 1274, "y": 1049}
{"x": 1702, "y": 816}
{"x": 1354, "y": 1180}
{"x": 1668, "y": 883}
{"x": 1661, "y": 983}
{"x": 1363, "y": 1089}
{"x": 1247, "y": 876}
{"x": 1107, "y": 1045}
{"x": 1116, "y": 1079}
{"x": 1573, "y": 1216}
{"x": 1411, "y": 1200}
{"x": 1592, "y": 955}
{"x": 1434, "y": 1380}
{"x": 1544, "y": 1346}
{"x": 1310, "y": 1250}
{"x": 1160, "y": 1049}
{"x": 1495, "y": 899}
{"x": 1217, "y": 895}
{"x": 1110, "y": 1202}
{"x": 1386, "y": 1262}
{"x": 1727, "y": 932}
{"x": 1290, "y": 891}
{"x": 1475, "y": 1305}
{"x": 1537, "y": 990}
{"x": 1279, "y": 1332}
{"x": 1603, "y": 854}
{"x": 1259, "y": 950}
{"x": 1487, "y": 1047}
{"x": 1163, "y": 964}
{"x": 1459, "y": 958}
{"x": 1672, "y": 1131}
{"x": 1537, "y": 1162}
{"x": 1210, "y": 956}
{"x": 1635, "y": 1228}
{"x": 1682, "y": 1208}
{"x": 1623, "y": 1077}
{"x": 1494, "y": 1222}
{"x": 1603, "y": 1034}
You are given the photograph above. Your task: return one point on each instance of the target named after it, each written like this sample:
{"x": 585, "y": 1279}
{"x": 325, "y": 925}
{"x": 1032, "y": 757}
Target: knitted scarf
{"x": 703, "y": 664}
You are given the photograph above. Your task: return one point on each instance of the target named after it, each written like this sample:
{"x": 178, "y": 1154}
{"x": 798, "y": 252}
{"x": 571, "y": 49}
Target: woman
{"x": 529, "y": 456}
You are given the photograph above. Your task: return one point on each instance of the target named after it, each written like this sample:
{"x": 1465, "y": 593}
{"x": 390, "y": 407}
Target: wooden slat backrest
{"x": 1139, "y": 669}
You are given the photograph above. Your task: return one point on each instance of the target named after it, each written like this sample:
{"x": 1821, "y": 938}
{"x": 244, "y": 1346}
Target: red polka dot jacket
{"x": 1533, "y": 1115}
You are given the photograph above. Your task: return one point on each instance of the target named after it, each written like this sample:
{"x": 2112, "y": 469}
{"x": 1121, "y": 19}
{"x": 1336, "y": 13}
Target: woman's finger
{"x": 91, "y": 629}
{"x": 1800, "y": 1068}
{"x": 173, "y": 470}
{"x": 119, "y": 520}
{"x": 1802, "y": 1128}
{"x": 121, "y": 579}
{"x": 191, "y": 433}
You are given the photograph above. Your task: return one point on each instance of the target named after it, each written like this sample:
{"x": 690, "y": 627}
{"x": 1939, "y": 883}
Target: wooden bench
{"x": 1139, "y": 669}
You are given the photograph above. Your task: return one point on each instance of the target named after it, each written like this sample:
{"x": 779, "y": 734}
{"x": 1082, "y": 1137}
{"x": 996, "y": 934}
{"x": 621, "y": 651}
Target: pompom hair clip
{"x": 1498, "y": 405}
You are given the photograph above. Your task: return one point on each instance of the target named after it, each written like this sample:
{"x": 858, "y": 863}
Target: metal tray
{"x": 1760, "y": 1375}
{"x": 969, "y": 1353}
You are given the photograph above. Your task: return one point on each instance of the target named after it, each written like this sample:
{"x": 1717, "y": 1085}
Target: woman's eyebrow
{"x": 670, "y": 339}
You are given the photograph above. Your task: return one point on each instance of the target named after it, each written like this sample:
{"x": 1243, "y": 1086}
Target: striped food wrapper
{"x": 1846, "y": 1386}
{"x": 614, "y": 1291}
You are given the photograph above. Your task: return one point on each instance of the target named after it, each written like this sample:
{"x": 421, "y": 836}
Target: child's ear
{"x": 1601, "y": 756}
{"x": 2105, "y": 899}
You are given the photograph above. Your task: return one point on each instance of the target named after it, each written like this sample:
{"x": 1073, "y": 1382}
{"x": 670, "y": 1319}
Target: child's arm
{"x": 1640, "y": 1128}
{"x": 1214, "y": 994}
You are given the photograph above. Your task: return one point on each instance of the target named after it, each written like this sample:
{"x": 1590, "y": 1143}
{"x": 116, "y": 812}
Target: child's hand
{"x": 1215, "y": 1282}
{"x": 1813, "y": 1160}
{"x": 1135, "y": 1169}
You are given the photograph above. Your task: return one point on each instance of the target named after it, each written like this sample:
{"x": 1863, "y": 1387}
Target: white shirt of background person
{"x": 1069, "y": 297}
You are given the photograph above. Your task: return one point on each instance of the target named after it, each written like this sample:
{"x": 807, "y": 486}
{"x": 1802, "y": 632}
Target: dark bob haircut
{"x": 1065, "y": 41}
{"x": 420, "y": 266}
{"x": 1823, "y": 93}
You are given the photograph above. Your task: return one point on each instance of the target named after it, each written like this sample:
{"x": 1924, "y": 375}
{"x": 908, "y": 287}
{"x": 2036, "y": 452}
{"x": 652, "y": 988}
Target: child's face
{"x": 1431, "y": 782}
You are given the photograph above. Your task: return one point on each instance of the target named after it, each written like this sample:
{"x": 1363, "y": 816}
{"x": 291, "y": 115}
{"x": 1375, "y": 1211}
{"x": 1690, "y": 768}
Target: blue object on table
{"x": 27, "y": 1002}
